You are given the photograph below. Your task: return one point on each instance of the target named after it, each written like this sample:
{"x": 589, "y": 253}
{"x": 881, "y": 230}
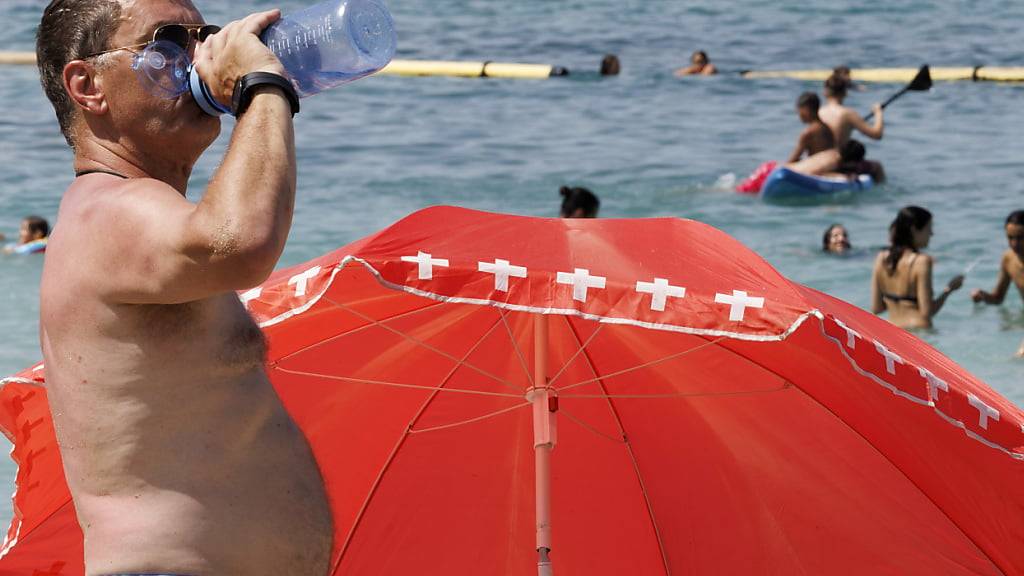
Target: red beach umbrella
{"x": 492, "y": 394}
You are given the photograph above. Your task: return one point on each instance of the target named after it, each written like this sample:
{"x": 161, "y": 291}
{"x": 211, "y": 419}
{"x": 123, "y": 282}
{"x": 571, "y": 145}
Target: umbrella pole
{"x": 544, "y": 406}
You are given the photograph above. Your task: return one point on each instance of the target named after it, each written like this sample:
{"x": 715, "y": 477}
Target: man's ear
{"x": 81, "y": 84}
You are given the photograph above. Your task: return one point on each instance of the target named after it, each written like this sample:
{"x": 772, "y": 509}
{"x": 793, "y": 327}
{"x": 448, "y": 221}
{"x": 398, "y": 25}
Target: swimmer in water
{"x": 1011, "y": 268}
{"x": 901, "y": 282}
{"x": 836, "y": 240}
{"x": 816, "y": 137}
{"x": 31, "y": 236}
{"x": 610, "y": 65}
{"x": 579, "y": 203}
{"x": 700, "y": 65}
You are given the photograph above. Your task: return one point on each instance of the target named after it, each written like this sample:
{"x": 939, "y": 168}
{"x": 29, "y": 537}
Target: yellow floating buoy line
{"x": 17, "y": 58}
{"x": 900, "y": 75}
{"x": 486, "y": 69}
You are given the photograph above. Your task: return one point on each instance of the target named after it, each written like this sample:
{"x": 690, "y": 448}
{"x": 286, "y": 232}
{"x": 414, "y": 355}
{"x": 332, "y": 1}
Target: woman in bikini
{"x": 901, "y": 282}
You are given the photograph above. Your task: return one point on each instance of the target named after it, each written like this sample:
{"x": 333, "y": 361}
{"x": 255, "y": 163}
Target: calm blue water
{"x": 648, "y": 144}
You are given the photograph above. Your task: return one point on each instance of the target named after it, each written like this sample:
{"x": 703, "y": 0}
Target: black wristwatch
{"x": 242, "y": 95}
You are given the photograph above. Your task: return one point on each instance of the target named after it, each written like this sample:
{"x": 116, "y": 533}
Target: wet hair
{"x": 610, "y": 65}
{"x": 852, "y": 151}
{"x": 702, "y": 54}
{"x": 574, "y": 199}
{"x": 810, "y": 101}
{"x": 1016, "y": 217}
{"x": 843, "y": 71}
{"x": 827, "y": 236}
{"x": 837, "y": 85}
{"x": 70, "y": 30}
{"x": 37, "y": 224}
{"x": 901, "y": 233}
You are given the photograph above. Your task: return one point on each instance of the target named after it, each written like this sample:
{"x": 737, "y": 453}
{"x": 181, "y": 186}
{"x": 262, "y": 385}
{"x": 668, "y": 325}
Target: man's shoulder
{"x": 99, "y": 202}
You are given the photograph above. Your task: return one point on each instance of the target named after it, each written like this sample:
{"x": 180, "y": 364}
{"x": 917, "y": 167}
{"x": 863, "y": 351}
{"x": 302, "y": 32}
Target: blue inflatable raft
{"x": 785, "y": 184}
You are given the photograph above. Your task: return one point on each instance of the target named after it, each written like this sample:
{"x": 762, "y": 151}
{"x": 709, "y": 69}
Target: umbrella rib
{"x": 641, "y": 366}
{"x": 395, "y": 384}
{"x": 471, "y": 420}
{"x": 398, "y": 444}
{"x": 582, "y": 347}
{"x": 426, "y": 346}
{"x": 588, "y": 427}
{"x": 519, "y": 353}
{"x": 879, "y": 452}
{"x": 785, "y": 385}
{"x": 355, "y": 330}
{"x": 629, "y": 450}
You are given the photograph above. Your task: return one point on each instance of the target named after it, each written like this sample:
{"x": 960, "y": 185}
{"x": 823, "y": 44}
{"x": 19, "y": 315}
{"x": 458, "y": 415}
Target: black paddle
{"x": 920, "y": 83}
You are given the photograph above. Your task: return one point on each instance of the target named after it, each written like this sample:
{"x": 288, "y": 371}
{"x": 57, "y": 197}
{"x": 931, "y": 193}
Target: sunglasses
{"x": 179, "y": 34}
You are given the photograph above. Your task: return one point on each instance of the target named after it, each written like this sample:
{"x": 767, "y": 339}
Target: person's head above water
{"x": 699, "y": 58}
{"x": 610, "y": 65}
{"x": 33, "y": 228}
{"x": 1015, "y": 232}
{"x": 911, "y": 230}
{"x": 578, "y": 203}
{"x": 807, "y": 106}
{"x": 836, "y": 86}
{"x": 836, "y": 239}
{"x": 85, "y": 51}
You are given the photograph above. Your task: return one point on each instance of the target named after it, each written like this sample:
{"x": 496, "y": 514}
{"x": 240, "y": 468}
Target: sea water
{"x": 647, "y": 143}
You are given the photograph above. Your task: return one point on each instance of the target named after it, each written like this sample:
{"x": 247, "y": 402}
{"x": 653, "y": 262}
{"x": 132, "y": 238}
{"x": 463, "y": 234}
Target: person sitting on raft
{"x": 901, "y": 282}
{"x": 31, "y": 236}
{"x": 836, "y": 240}
{"x": 848, "y": 162}
{"x": 699, "y": 65}
{"x": 843, "y": 120}
{"x": 1011, "y": 269}
{"x": 579, "y": 203}
{"x": 844, "y": 73}
{"x": 816, "y": 137}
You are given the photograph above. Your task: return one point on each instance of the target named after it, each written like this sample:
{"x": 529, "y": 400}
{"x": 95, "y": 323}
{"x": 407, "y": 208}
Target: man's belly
{"x": 201, "y": 491}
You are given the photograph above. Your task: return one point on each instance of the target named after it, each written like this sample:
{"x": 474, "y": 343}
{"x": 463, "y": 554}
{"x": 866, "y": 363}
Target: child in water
{"x": 31, "y": 236}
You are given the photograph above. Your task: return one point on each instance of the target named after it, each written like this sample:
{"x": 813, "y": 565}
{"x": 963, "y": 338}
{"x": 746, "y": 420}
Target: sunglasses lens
{"x": 173, "y": 33}
{"x": 207, "y": 31}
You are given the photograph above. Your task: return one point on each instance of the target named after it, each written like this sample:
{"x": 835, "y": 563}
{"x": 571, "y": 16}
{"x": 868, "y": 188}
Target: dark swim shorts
{"x": 861, "y": 167}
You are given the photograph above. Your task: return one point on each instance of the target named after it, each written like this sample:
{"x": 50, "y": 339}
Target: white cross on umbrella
{"x": 426, "y": 264}
{"x": 581, "y": 281}
{"x": 502, "y": 270}
{"x": 660, "y": 290}
{"x": 738, "y": 303}
{"x": 891, "y": 359}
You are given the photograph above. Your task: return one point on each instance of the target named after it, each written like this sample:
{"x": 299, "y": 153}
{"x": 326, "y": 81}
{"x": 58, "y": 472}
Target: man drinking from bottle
{"x": 178, "y": 453}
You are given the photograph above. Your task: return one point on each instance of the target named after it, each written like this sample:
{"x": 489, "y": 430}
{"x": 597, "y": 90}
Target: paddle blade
{"x": 923, "y": 80}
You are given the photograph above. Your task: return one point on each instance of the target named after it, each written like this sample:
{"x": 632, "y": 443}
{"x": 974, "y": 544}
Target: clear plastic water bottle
{"x": 321, "y": 47}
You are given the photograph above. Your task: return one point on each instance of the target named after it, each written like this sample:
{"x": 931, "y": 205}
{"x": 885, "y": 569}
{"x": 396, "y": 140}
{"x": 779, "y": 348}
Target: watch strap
{"x": 243, "y": 93}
